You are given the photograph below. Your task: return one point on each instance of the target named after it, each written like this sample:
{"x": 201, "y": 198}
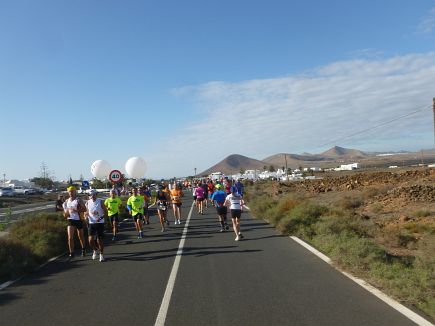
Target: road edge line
{"x": 164, "y": 306}
{"x": 8, "y": 283}
{"x": 416, "y": 318}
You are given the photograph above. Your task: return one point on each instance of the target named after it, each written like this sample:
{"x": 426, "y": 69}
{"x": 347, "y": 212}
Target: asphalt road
{"x": 266, "y": 279}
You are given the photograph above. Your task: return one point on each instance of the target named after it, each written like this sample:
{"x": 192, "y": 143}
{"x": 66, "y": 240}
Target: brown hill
{"x": 331, "y": 158}
{"x": 233, "y": 164}
{"x": 342, "y": 152}
{"x": 293, "y": 160}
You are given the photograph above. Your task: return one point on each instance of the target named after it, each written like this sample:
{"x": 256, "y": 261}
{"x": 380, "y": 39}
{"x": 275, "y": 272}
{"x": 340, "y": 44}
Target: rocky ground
{"x": 401, "y": 203}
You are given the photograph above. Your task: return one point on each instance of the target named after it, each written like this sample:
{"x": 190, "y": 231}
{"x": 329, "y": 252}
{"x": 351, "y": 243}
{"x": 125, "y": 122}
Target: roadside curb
{"x": 419, "y": 320}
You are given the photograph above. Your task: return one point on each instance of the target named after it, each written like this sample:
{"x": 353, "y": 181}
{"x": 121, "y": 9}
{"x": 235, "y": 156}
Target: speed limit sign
{"x": 115, "y": 176}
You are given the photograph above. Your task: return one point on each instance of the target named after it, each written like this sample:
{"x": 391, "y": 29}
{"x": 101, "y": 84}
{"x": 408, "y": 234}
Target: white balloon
{"x": 100, "y": 169}
{"x": 136, "y": 167}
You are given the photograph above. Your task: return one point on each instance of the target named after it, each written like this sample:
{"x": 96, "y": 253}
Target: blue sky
{"x": 184, "y": 84}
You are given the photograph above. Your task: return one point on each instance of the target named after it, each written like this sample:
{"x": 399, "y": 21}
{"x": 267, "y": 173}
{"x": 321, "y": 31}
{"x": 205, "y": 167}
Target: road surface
{"x": 266, "y": 279}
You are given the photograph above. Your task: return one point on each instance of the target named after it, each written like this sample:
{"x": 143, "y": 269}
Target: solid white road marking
{"x": 376, "y": 292}
{"x": 161, "y": 317}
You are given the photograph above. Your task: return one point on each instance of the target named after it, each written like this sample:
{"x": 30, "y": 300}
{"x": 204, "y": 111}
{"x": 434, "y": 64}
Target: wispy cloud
{"x": 306, "y": 113}
{"x": 427, "y": 25}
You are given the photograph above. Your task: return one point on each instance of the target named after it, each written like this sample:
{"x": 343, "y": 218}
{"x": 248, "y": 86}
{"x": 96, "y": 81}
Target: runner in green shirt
{"x": 135, "y": 206}
{"x": 113, "y": 203}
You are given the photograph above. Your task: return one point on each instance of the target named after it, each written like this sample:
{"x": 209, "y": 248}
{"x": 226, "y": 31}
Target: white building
{"x": 348, "y": 167}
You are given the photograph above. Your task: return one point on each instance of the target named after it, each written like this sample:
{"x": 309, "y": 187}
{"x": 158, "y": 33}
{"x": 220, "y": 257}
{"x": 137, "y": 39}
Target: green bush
{"x": 350, "y": 202}
{"x": 301, "y": 218}
{"x": 422, "y": 213}
{"x": 44, "y": 234}
{"x": 349, "y": 250}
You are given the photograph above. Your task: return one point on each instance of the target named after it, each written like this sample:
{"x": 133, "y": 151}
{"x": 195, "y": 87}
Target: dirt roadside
{"x": 401, "y": 203}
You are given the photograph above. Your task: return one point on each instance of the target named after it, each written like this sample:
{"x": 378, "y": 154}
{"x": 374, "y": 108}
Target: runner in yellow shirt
{"x": 135, "y": 206}
{"x": 113, "y": 203}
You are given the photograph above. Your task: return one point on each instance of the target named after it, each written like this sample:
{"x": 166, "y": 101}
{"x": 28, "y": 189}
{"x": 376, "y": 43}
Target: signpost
{"x": 115, "y": 176}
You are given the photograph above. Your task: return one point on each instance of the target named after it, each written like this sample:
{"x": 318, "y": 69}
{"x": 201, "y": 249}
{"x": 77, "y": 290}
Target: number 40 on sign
{"x": 115, "y": 176}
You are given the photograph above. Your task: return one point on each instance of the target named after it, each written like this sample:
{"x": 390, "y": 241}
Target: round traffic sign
{"x": 115, "y": 176}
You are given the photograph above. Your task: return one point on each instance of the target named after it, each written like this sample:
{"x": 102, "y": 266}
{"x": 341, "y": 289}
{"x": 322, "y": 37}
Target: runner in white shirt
{"x": 96, "y": 211}
{"x": 72, "y": 208}
{"x": 235, "y": 201}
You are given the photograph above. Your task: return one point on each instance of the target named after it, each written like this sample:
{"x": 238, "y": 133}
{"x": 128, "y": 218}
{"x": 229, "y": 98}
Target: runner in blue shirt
{"x": 218, "y": 198}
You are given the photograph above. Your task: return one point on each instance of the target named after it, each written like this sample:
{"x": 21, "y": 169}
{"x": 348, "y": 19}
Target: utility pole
{"x": 433, "y": 107}
{"x": 286, "y": 173}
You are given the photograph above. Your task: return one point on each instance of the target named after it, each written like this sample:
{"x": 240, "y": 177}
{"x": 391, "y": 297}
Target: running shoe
{"x": 94, "y": 255}
{"x": 71, "y": 255}
{"x": 227, "y": 227}
{"x": 102, "y": 258}
{"x": 167, "y": 222}
{"x": 222, "y": 230}
{"x": 237, "y": 238}
{"x": 114, "y": 238}
{"x": 241, "y": 235}
{"x": 83, "y": 252}
{"x": 179, "y": 222}
{"x": 163, "y": 230}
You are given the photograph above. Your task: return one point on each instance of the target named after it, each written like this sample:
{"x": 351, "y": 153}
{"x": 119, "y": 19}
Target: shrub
{"x": 344, "y": 223}
{"x": 301, "y": 218}
{"x": 422, "y": 213}
{"x": 349, "y": 250}
{"x": 43, "y": 234}
{"x": 350, "y": 202}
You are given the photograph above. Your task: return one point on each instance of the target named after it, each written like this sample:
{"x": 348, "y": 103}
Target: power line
{"x": 377, "y": 126}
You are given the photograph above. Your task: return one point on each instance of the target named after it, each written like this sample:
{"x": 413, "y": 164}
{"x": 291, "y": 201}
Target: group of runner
{"x": 221, "y": 195}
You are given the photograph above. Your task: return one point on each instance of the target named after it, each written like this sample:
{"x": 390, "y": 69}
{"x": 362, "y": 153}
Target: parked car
{"x": 7, "y": 192}
{"x": 23, "y": 190}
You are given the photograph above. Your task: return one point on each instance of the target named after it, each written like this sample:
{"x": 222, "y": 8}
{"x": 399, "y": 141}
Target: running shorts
{"x": 138, "y": 216}
{"x": 114, "y": 218}
{"x": 236, "y": 213}
{"x": 96, "y": 229}
{"x": 76, "y": 223}
{"x": 221, "y": 210}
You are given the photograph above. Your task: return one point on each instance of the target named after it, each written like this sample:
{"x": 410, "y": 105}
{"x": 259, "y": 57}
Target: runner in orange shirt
{"x": 176, "y": 194}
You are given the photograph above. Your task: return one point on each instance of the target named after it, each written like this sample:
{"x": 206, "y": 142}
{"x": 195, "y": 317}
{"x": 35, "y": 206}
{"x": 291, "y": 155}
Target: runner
{"x": 72, "y": 208}
{"x": 235, "y": 201}
{"x": 218, "y": 199}
{"x": 162, "y": 200}
{"x": 204, "y": 186}
{"x": 176, "y": 194}
{"x": 146, "y": 193}
{"x": 199, "y": 193}
{"x": 227, "y": 185}
{"x": 113, "y": 204}
{"x": 240, "y": 187}
{"x": 135, "y": 206}
{"x": 194, "y": 186}
{"x": 58, "y": 206}
{"x": 96, "y": 211}
{"x": 211, "y": 189}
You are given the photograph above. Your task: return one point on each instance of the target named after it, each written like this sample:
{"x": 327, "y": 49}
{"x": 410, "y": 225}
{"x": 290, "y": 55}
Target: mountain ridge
{"x": 332, "y": 157}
